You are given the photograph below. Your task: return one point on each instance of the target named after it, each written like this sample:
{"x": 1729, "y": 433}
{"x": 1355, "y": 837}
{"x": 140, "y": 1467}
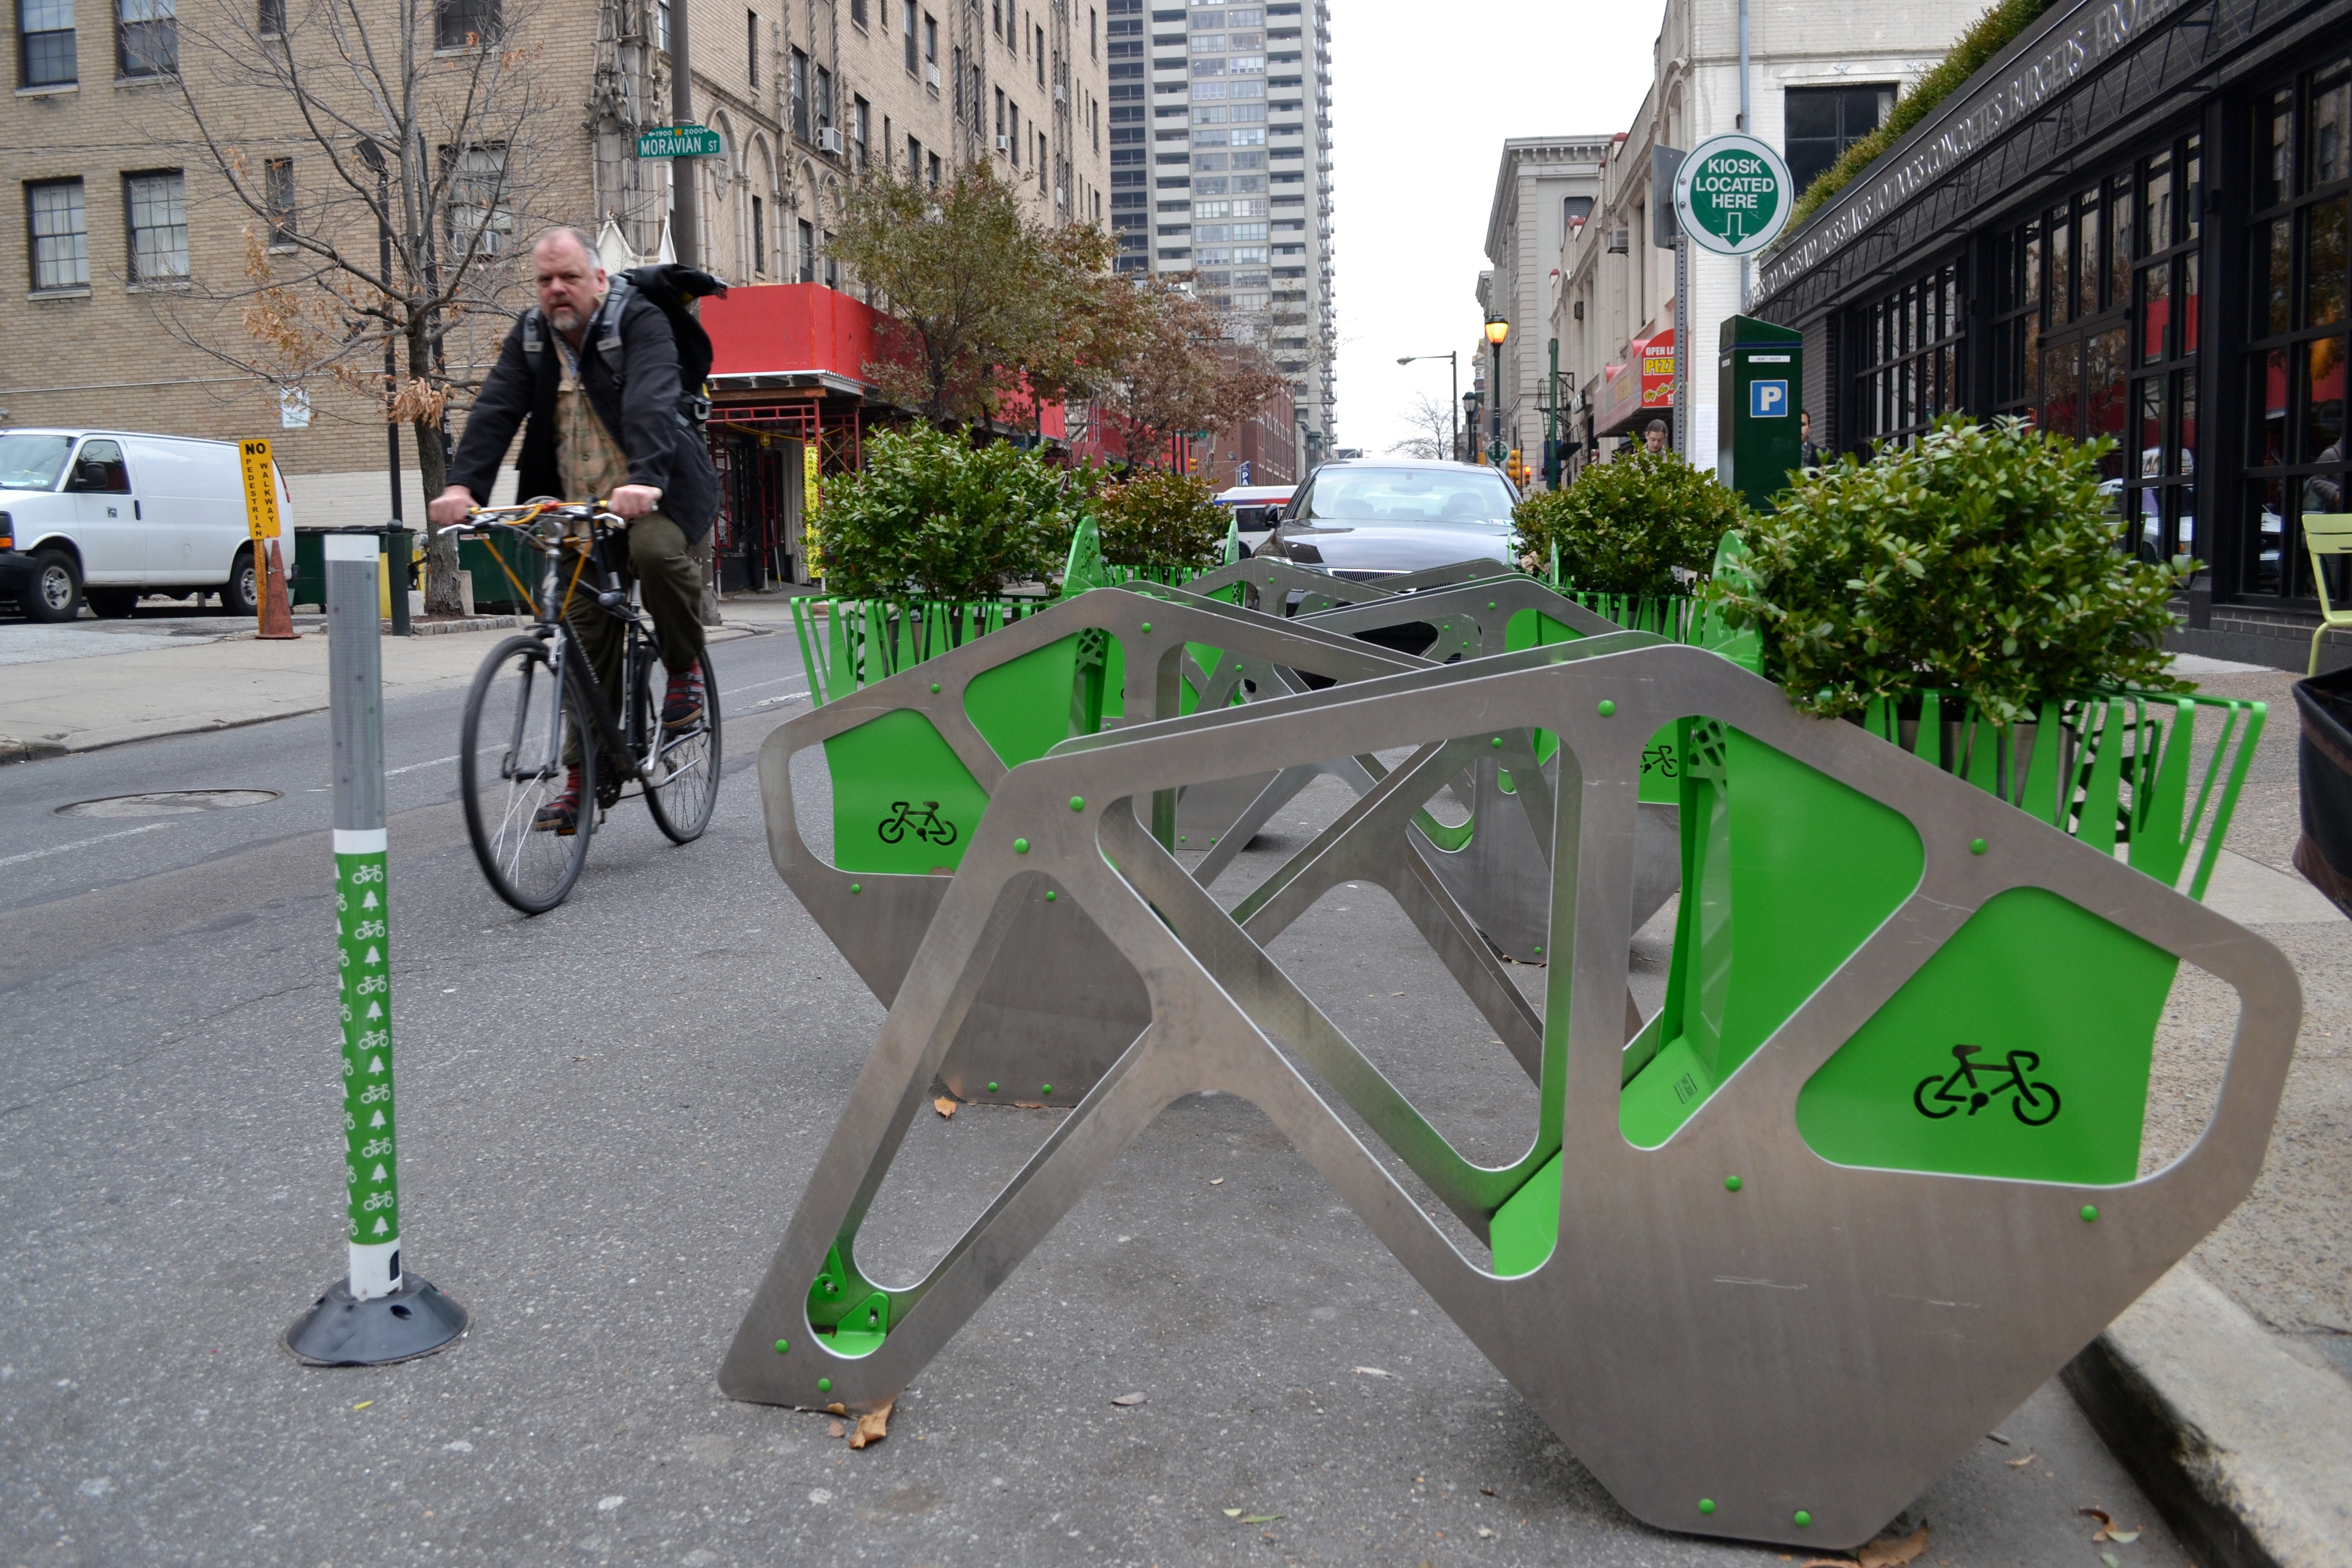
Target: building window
{"x": 824, "y": 97}
{"x": 147, "y": 37}
{"x": 861, "y": 126}
{"x": 45, "y": 31}
{"x": 277, "y": 199}
{"x": 751, "y": 46}
{"x": 661, "y": 26}
{"x": 269, "y": 19}
{"x": 479, "y": 218}
{"x": 1820, "y": 123}
{"x": 914, "y": 158}
{"x": 59, "y": 223}
{"x": 930, "y": 40}
{"x": 759, "y": 237}
{"x": 935, "y": 171}
{"x": 832, "y": 267}
{"x": 470, "y": 24}
{"x": 1910, "y": 357}
{"x": 808, "y": 251}
{"x": 800, "y": 94}
{"x": 1038, "y": 54}
{"x": 906, "y": 9}
{"x": 857, "y": 11}
{"x": 2297, "y": 292}
{"x": 156, "y": 207}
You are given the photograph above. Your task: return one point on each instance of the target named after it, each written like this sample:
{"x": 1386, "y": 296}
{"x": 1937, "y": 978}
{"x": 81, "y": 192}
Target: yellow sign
{"x": 810, "y": 552}
{"x": 260, "y": 490}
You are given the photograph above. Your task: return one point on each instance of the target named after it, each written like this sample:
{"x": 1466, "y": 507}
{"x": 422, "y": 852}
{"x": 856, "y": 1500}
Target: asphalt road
{"x": 608, "y": 1113}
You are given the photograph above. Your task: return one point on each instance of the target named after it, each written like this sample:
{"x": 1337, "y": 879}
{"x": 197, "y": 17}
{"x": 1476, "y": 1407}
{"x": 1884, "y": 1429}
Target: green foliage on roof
{"x": 1987, "y": 36}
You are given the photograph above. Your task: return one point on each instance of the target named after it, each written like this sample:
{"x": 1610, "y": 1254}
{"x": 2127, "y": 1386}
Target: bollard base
{"x": 414, "y": 1321}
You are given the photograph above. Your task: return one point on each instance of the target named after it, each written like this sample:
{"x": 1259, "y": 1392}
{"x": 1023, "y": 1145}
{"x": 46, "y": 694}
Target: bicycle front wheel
{"x": 681, "y": 770}
{"x": 510, "y": 768}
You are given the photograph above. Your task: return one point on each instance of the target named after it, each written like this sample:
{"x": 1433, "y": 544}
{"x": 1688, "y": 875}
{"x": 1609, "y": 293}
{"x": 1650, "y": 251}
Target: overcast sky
{"x": 1422, "y": 96}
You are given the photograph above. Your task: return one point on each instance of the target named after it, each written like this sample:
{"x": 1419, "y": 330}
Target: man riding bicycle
{"x": 603, "y": 414}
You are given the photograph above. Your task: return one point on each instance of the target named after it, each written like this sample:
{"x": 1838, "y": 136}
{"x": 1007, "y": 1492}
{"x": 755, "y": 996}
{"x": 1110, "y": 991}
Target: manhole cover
{"x": 169, "y": 803}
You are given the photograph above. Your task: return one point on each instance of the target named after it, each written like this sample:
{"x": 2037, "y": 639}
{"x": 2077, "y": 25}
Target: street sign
{"x": 1733, "y": 194}
{"x": 260, "y": 490}
{"x": 1768, "y": 400}
{"x": 680, "y": 141}
{"x": 1496, "y": 452}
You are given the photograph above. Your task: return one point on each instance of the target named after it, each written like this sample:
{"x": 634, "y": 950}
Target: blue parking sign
{"x": 1768, "y": 400}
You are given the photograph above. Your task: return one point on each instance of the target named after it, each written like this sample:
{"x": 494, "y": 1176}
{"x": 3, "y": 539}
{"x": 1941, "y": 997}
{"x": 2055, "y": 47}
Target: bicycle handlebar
{"x": 521, "y": 517}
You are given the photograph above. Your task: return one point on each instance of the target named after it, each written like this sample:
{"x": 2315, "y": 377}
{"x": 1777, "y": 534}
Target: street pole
{"x": 1453, "y": 408}
{"x": 377, "y": 1312}
{"x": 1682, "y": 340}
{"x": 396, "y": 537}
{"x": 685, "y": 199}
{"x": 1495, "y": 402}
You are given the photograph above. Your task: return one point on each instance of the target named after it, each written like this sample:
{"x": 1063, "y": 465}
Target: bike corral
{"x": 1878, "y": 1057}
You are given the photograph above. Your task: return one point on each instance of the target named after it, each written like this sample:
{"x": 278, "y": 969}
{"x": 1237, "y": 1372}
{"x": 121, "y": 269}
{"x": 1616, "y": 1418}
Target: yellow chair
{"x": 2327, "y": 534}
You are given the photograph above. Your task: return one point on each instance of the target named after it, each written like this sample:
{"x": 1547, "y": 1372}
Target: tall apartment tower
{"x": 1220, "y": 170}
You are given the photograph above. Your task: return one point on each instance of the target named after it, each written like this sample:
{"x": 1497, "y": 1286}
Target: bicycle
{"x": 928, "y": 824}
{"x": 1978, "y": 1097}
{"x": 537, "y": 690}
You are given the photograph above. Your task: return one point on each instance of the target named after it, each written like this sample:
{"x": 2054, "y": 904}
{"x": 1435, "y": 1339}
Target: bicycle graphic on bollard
{"x": 928, "y": 824}
{"x": 2031, "y": 1096}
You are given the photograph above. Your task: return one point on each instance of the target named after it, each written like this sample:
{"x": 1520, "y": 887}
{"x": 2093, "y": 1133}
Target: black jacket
{"x": 641, "y": 408}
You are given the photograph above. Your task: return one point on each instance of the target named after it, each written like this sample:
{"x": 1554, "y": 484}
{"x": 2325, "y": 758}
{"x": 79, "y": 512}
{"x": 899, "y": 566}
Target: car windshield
{"x": 1407, "y": 495}
{"x": 32, "y": 462}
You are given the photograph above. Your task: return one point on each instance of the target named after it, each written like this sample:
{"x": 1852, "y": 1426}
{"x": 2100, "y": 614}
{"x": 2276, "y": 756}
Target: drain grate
{"x": 169, "y": 803}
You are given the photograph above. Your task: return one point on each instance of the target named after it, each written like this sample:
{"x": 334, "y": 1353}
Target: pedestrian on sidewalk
{"x": 603, "y": 414}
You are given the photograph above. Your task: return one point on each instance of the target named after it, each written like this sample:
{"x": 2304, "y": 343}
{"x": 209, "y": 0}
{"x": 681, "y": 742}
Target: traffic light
{"x": 1518, "y": 469}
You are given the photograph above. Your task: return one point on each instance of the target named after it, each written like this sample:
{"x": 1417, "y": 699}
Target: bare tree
{"x": 1434, "y": 423}
{"x": 393, "y": 274}
{"x": 1189, "y": 369}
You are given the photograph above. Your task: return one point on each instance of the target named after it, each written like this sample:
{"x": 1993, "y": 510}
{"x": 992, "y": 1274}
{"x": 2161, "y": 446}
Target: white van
{"x": 103, "y": 516}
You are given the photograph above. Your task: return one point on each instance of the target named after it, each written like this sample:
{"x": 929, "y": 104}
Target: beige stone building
{"x": 137, "y": 263}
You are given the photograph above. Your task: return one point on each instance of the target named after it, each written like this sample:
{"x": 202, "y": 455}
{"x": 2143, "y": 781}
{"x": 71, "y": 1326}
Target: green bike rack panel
{"x": 1701, "y": 1310}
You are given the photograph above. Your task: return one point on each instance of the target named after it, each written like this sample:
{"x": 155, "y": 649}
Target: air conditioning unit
{"x": 1004, "y": 145}
{"x": 1621, "y": 241}
{"x": 828, "y": 139}
{"x": 931, "y": 74}
{"x": 1061, "y": 92}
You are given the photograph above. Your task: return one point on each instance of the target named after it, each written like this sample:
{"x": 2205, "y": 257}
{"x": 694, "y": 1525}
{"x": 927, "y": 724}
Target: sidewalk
{"x": 83, "y": 685}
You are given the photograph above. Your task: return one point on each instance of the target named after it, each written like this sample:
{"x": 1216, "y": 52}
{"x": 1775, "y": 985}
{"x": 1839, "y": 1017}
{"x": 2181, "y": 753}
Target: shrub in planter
{"x": 1158, "y": 518}
{"x": 1981, "y": 557}
{"x": 931, "y": 515}
{"x": 1625, "y": 525}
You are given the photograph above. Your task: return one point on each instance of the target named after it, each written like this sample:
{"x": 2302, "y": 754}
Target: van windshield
{"x": 1408, "y": 495}
{"x": 32, "y": 462}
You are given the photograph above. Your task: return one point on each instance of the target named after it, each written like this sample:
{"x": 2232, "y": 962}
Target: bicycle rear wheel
{"x": 510, "y": 764}
{"x": 681, "y": 770}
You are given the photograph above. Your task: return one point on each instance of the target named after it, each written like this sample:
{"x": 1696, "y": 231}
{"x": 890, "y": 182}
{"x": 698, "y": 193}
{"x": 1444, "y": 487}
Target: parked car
{"x": 1256, "y": 508}
{"x": 103, "y": 516}
{"x": 1369, "y": 518}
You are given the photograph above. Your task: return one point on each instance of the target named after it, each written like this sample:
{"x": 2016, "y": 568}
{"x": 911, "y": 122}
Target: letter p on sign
{"x": 1768, "y": 400}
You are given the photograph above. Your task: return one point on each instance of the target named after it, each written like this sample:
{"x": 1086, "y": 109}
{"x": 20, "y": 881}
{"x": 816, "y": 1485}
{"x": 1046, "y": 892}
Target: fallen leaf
{"x": 1232, "y": 1513}
{"x": 363, "y": 1403}
{"x": 1126, "y": 1399}
{"x": 874, "y": 1425}
{"x": 1262, "y": 1519}
{"x": 1028, "y": 1105}
{"x": 837, "y": 1409}
{"x": 1217, "y": 1181}
{"x": 1889, "y": 1553}
{"x": 2111, "y": 1560}
{"x": 2021, "y": 1464}
{"x": 1998, "y": 1438}
{"x": 1396, "y": 992}
{"x": 2122, "y": 1537}
{"x": 835, "y": 1429}
{"x": 1485, "y": 1534}
{"x": 1372, "y": 1372}
{"x": 2107, "y": 1530}
{"x": 1488, "y": 1490}
{"x": 944, "y": 1106}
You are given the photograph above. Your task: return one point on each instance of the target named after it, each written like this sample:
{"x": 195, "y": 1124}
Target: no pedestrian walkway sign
{"x": 680, "y": 141}
{"x": 1733, "y": 194}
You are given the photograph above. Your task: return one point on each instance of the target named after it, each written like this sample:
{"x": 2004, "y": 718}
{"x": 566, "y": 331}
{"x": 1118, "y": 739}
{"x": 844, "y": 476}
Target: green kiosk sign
{"x": 680, "y": 141}
{"x": 1733, "y": 194}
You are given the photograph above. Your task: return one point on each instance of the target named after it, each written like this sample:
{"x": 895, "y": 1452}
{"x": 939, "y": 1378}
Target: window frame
{"x": 33, "y": 236}
{"x": 25, "y": 37}
{"x": 133, "y": 230}
{"x": 278, "y": 203}
{"x": 127, "y": 68}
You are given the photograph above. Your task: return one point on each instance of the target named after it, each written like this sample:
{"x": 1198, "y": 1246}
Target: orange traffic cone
{"x": 276, "y": 613}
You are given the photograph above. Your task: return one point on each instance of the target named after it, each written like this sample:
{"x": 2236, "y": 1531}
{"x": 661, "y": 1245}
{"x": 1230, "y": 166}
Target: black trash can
{"x": 2324, "y": 854}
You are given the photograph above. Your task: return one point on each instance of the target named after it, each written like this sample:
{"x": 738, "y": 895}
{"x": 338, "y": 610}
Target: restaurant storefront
{"x": 2133, "y": 223}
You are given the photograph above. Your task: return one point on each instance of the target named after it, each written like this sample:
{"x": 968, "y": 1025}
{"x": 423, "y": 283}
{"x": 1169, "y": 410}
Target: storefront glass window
{"x": 1911, "y": 357}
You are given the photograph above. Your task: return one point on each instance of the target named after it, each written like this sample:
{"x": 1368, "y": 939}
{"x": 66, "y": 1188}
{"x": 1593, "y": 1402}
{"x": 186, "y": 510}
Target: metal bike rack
{"x": 1735, "y": 1335}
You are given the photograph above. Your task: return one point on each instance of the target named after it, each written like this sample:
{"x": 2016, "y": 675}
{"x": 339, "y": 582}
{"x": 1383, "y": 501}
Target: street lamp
{"x": 1455, "y": 361}
{"x": 395, "y": 539}
{"x": 1496, "y": 331}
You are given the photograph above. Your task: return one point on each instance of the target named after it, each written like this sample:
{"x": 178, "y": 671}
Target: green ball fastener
{"x": 1732, "y": 1184}
{"x": 1021, "y": 847}
{"x": 934, "y": 685}
{"x": 1976, "y": 845}
{"x": 1049, "y": 1092}
{"x": 1706, "y": 1505}
{"x": 2090, "y": 1213}
{"x": 1803, "y": 1518}
{"x": 824, "y": 1385}
{"x": 1146, "y": 626}
{"x": 1607, "y": 707}
{"x": 854, "y": 888}
{"x": 1490, "y": 603}
{"x": 1051, "y": 895}
{"x": 992, "y": 1088}
{"x": 1539, "y": 950}
{"x": 1181, "y": 838}
{"x": 782, "y": 1346}
{"x": 1078, "y": 803}
{"x": 1499, "y": 743}
{"x": 832, "y": 1286}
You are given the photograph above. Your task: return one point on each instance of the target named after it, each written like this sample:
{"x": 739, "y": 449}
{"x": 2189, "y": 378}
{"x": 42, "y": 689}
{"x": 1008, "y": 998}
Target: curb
{"x": 2245, "y": 1450}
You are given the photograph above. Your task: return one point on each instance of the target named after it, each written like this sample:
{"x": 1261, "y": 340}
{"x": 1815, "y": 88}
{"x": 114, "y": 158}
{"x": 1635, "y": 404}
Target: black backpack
{"x": 670, "y": 287}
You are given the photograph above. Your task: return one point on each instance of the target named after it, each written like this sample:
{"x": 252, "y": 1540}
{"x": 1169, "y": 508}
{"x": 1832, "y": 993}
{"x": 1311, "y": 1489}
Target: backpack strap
{"x": 609, "y": 347}
{"x": 534, "y": 334}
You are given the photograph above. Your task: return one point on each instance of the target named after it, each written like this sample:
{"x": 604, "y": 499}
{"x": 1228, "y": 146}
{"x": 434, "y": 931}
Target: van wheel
{"x": 111, "y": 603}
{"x": 241, "y": 594}
{"x": 55, "y": 591}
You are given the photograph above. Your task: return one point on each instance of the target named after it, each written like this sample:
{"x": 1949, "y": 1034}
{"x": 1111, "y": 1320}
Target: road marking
{"x": 80, "y": 844}
{"x": 757, "y": 684}
{"x": 396, "y": 772}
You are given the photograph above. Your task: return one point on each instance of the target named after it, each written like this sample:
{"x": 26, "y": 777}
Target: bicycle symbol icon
{"x": 2036, "y": 1104}
{"x": 1662, "y": 757}
{"x": 928, "y": 824}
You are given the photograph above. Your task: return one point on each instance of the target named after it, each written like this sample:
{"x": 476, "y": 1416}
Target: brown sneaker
{"x": 562, "y": 814}
{"x": 682, "y": 703}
